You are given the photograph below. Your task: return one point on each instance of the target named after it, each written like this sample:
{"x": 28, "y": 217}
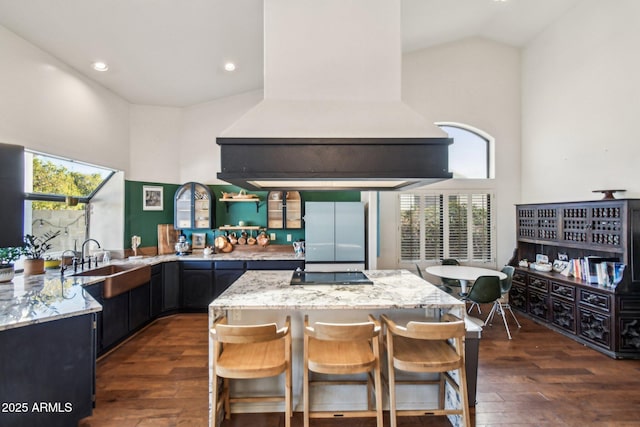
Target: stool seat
{"x": 255, "y": 360}
{"x": 340, "y": 357}
{"x": 415, "y": 355}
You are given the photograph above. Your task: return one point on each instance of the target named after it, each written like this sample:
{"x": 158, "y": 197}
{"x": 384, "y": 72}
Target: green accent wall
{"x": 145, "y": 223}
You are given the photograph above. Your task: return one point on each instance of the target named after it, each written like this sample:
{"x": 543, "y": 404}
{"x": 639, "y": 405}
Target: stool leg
{"x": 227, "y": 395}
{"x": 305, "y": 384}
{"x": 214, "y": 398}
{"x": 378, "y": 387}
{"x": 392, "y": 381}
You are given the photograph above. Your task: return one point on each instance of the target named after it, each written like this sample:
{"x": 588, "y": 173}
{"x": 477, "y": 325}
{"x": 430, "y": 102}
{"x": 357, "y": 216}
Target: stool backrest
{"x": 242, "y": 334}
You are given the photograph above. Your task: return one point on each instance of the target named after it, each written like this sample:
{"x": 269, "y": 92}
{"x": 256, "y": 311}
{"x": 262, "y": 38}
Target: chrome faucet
{"x": 82, "y": 261}
{"x": 74, "y": 261}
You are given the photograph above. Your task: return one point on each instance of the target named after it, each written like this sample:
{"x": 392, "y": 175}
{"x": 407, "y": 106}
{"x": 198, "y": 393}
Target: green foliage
{"x": 9, "y": 255}
{"x": 35, "y": 247}
{"x": 49, "y": 178}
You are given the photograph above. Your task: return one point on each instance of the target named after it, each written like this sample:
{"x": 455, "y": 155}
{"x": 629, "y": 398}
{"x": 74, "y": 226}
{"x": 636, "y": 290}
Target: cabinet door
{"x": 319, "y": 231}
{"x": 197, "y": 289}
{"x": 95, "y": 290}
{"x": 139, "y": 306}
{"x": 538, "y": 305}
{"x": 594, "y": 327}
{"x": 224, "y": 279}
{"x": 193, "y": 207}
{"x": 156, "y": 295}
{"x": 170, "y": 286}
{"x": 563, "y": 314}
{"x": 115, "y": 319}
{"x": 293, "y": 210}
{"x": 275, "y": 209}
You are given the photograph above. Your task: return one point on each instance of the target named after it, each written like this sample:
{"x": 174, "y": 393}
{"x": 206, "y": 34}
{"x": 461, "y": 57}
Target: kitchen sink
{"x": 119, "y": 278}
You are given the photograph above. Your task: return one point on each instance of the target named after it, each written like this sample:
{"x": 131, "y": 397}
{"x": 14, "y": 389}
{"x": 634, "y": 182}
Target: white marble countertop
{"x": 28, "y": 300}
{"x": 391, "y": 289}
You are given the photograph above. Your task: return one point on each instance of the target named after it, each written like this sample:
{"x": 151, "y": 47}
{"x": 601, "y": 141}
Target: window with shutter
{"x": 464, "y": 218}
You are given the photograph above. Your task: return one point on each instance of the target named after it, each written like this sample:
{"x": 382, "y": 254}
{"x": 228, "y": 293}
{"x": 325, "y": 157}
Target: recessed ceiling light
{"x": 100, "y": 66}
{"x": 229, "y": 66}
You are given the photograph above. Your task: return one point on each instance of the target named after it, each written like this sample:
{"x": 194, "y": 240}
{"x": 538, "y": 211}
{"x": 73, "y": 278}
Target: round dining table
{"x": 463, "y": 273}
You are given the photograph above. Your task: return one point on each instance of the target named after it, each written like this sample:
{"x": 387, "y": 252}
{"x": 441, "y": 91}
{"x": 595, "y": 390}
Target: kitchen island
{"x": 267, "y": 296}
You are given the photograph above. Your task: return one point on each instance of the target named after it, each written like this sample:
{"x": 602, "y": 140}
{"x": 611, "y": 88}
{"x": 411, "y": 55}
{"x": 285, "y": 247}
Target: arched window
{"x": 470, "y": 153}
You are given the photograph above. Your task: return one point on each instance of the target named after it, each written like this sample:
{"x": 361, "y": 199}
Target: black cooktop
{"x": 330, "y": 278}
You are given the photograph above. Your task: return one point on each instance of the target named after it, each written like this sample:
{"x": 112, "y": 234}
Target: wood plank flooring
{"x": 540, "y": 378}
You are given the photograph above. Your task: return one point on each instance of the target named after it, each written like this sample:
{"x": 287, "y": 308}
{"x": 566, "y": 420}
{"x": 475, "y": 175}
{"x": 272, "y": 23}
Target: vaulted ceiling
{"x": 172, "y": 52}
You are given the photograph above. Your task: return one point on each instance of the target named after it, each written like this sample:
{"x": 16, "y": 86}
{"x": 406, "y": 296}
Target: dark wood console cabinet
{"x": 606, "y": 319}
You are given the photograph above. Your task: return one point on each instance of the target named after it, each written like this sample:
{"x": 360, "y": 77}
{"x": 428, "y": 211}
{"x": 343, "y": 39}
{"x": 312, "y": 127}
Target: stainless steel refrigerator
{"x": 334, "y": 236}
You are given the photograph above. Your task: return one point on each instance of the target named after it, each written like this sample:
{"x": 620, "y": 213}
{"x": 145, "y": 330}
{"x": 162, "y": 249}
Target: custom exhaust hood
{"x": 332, "y": 117}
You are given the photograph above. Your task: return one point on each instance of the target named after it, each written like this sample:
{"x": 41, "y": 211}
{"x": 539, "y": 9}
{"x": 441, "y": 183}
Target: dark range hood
{"x": 332, "y": 117}
{"x": 333, "y": 163}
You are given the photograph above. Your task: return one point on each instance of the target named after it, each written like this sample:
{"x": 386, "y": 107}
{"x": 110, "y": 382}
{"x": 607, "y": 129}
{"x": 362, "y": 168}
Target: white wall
{"x": 202, "y": 123}
{"x": 155, "y": 144}
{"x": 475, "y": 82}
{"x": 581, "y": 104}
{"x": 47, "y": 106}
{"x": 177, "y": 145}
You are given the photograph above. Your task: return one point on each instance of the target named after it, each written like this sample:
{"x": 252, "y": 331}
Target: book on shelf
{"x": 603, "y": 271}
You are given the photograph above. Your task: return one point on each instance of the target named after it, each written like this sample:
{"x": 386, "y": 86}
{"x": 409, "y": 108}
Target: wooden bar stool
{"x": 343, "y": 349}
{"x": 246, "y": 352}
{"x": 424, "y": 347}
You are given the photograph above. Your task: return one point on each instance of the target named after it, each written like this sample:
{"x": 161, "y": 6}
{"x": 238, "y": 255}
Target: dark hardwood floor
{"x": 540, "y": 378}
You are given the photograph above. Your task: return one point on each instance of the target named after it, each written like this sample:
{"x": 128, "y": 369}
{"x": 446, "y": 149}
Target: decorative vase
{"x": 33, "y": 266}
{"x": 7, "y": 272}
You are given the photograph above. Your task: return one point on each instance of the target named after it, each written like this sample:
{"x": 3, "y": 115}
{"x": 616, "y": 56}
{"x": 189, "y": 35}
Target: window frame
{"x": 445, "y": 230}
{"x": 489, "y": 145}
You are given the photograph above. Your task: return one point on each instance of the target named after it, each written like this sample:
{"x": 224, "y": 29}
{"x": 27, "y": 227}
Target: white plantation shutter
{"x": 410, "y": 227}
{"x": 433, "y": 238}
{"x": 457, "y": 214}
{"x": 481, "y": 235}
{"x": 465, "y": 220}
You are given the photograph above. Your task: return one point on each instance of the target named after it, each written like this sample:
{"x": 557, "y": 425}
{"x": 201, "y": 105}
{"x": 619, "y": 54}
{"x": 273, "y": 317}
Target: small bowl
{"x": 51, "y": 263}
{"x": 542, "y": 267}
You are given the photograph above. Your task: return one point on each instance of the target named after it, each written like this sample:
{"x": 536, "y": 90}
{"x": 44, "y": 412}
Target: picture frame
{"x": 152, "y": 198}
{"x": 198, "y": 240}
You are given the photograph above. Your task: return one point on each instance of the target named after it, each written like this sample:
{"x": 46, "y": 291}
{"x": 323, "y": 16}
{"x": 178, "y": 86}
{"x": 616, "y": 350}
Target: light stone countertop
{"x": 28, "y": 300}
{"x": 391, "y": 289}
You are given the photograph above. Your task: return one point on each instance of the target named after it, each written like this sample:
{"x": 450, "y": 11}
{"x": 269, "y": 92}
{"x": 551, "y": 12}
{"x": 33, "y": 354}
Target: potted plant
{"x": 7, "y": 257}
{"x": 34, "y": 249}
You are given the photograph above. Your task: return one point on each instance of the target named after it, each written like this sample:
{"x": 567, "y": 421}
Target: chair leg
{"x": 491, "y": 314}
{"x": 476, "y": 305}
{"x": 504, "y": 318}
{"x": 508, "y": 307}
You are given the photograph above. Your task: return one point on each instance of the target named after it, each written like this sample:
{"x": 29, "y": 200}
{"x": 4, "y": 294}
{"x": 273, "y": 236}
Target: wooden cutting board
{"x": 167, "y": 239}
